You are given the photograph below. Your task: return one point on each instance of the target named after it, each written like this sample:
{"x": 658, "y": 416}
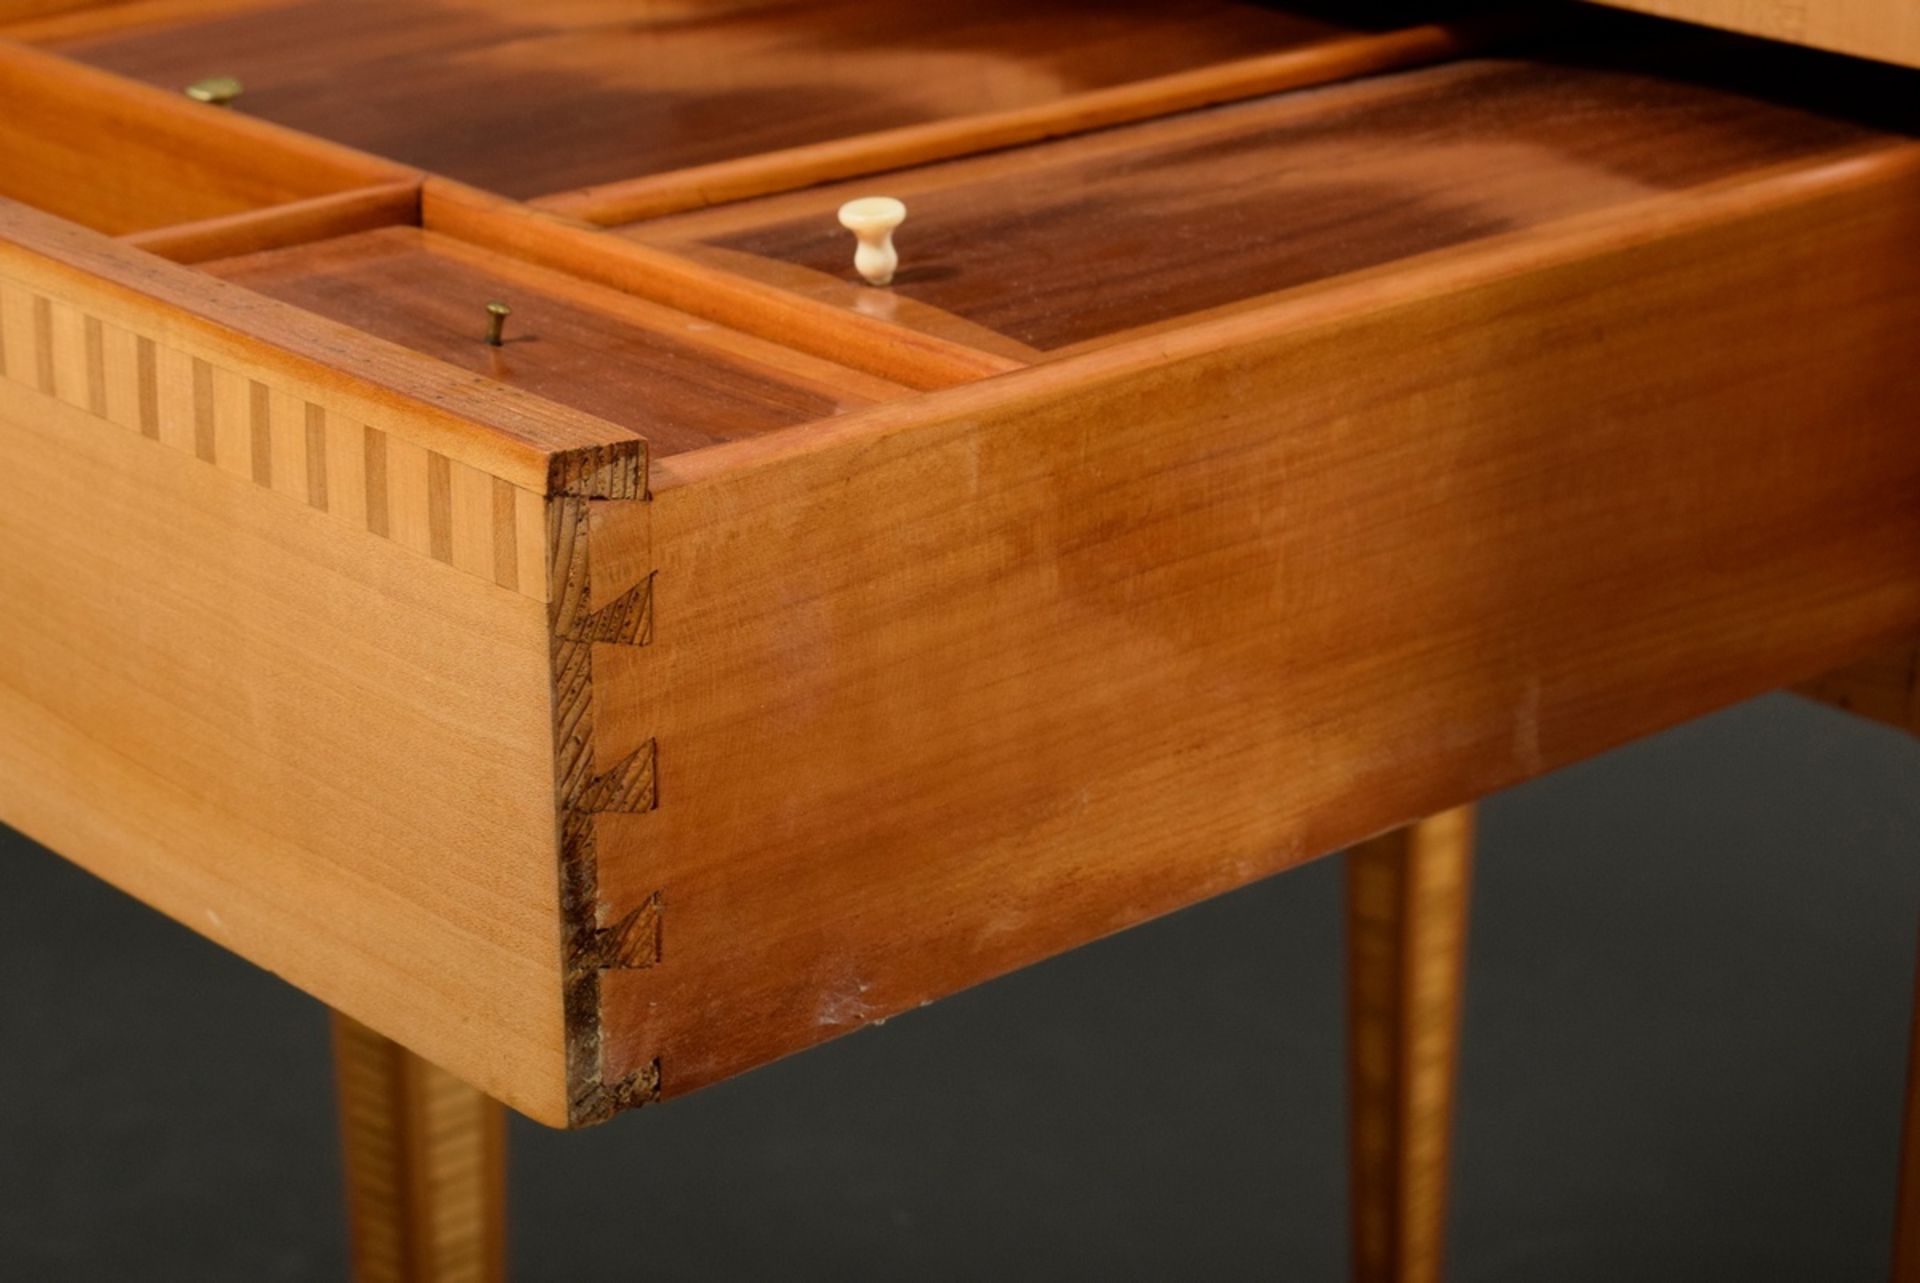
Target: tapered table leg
{"x": 425, "y": 1164}
{"x": 1406, "y": 941}
{"x": 1906, "y": 1224}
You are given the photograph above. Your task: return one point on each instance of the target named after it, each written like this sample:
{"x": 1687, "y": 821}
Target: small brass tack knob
{"x": 497, "y": 314}
{"x": 218, "y": 90}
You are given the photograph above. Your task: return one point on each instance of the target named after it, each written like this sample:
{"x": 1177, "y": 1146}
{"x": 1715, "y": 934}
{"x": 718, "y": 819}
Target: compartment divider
{"x": 870, "y": 344}
{"x": 395, "y": 204}
{"x": 790, "y": 168}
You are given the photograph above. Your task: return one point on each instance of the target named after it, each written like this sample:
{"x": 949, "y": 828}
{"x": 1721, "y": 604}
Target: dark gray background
{"x": 1685, "y": 1048}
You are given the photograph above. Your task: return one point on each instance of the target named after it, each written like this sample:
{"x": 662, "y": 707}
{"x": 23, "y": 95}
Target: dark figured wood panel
{"x": 1080, "y": 239}
{"x": 676, "y": 380}
{"x": 524, "y": 99}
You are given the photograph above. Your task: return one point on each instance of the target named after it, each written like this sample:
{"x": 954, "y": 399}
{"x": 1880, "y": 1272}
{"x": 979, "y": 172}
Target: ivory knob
{"x": 872, "y": 220}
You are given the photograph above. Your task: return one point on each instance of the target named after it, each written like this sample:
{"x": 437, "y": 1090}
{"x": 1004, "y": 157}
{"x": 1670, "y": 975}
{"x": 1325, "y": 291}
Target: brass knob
{"x": 497, "y": 314}
{"x": 218, "y": 90}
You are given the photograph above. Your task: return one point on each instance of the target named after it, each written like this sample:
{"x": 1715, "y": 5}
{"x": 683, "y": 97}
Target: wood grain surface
{"x": 869, "y": 340}
{"x": 1084, "y": 238}
{"x": 1883, "y": 687}
{"x": 122, "y": 157}
{"x": 557, "y": 97}
{"x": 495, "y": 428}
{"x": 1884, "y": 29}
{"x": 323, "y": 752}
{"x": 278, "y": 655}
{"x": 425, "y": 1162}
{"x": 281, "y": 226}
{"x": 1312, "y": 62}
{"x": 670, "y": 377}
{"x": 1129, "y": 629}
{"x": 1407, "y": 898}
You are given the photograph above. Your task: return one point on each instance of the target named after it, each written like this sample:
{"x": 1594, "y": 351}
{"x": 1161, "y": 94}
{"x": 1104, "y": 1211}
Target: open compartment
{"x": 133, "y": 161}
{"x": 676, "y": 379}
{"x": 1090, "y": 239}
{"x": 618, "y": 110}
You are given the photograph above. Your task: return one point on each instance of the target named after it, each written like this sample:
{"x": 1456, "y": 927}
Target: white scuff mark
{"x": 845, "y": 1004}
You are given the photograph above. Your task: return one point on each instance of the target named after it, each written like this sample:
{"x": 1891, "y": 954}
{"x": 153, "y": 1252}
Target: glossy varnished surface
{"x": 678, "y": 382}
{"x": 1080, "y": 239}
{"x": 526, "y": 99}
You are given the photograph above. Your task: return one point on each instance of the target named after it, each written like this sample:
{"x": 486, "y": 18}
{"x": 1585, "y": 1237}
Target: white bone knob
{"x": 872, "y": 220}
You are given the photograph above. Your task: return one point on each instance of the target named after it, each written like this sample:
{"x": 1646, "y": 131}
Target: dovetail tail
{"x": 617, "y": 470}
{"x": 601, "y": 1101}
{"x": 631, "y": 943}
{"x": 627, "y": 620}
{"x": 626, "y": 788}
{"x": 633, "y": 940}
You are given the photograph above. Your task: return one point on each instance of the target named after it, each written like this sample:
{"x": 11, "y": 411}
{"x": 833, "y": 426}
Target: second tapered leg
{"x": 425, "y": 1159}
{"x": 1407, "y": 895}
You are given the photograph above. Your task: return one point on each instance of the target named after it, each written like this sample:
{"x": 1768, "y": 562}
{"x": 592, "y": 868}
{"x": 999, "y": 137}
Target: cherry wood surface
{"x": 1132, "y": 627}
{"x": 678, "y": 382}
{"x": 1545, "y": 401}
{"x": 524, "y": 99}
{"x": 863, "y": 340}
{"x": 1076, "y": 240}
{"x": 279, "y": 226}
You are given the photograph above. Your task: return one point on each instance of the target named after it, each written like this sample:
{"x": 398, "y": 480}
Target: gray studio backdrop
{"x": 1685, "y": 1049}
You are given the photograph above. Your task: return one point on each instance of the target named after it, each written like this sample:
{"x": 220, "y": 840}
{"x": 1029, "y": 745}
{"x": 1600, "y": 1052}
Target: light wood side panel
{"x": 324, "y": 752}
{"x": 1885, "y": 29}
{"x": 1407, "y": 895}
{"x": 938, "y": 689}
